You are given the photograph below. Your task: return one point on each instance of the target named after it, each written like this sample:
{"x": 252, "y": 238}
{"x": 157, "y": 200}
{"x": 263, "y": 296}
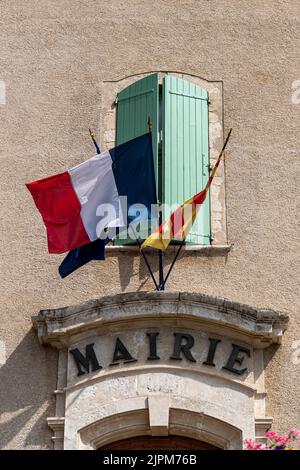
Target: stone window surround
{"x": 62, "y": 327}
{"x": 109, "y": 90}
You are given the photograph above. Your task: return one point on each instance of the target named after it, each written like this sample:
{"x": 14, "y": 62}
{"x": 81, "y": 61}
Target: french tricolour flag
{"x": 72, "y": 203}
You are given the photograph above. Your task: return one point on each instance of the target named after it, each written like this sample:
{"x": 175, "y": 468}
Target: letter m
{"x": 87, "y": 360}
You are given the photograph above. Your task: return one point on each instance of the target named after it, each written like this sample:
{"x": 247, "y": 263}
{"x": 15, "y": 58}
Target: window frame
{"x": 110, "y": 89}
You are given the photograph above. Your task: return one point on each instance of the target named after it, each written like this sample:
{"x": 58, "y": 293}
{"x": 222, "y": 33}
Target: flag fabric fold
{"x": 78, "y": 257}
{"x": 69, "y": 202}
{"x": 181, "y": 220}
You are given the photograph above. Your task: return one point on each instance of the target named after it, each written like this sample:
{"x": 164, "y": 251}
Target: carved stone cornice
{"x": 63, "y": 326}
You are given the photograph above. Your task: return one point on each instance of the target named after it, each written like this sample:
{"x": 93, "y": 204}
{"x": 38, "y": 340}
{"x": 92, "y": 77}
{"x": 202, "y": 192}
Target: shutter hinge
{"x": 116, "y": 100}
{"x": 160, "y": 136}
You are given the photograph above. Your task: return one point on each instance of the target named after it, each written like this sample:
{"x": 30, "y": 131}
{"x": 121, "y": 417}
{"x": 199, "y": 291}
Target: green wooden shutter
{"x": 134, "y": 105}
{"x": 185, "y": 150}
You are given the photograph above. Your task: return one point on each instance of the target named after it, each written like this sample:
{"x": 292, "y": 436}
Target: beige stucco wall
{"x": 54, "y": 57}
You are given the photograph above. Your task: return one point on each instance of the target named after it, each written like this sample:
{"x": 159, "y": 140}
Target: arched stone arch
{"x": 182, "y": 422}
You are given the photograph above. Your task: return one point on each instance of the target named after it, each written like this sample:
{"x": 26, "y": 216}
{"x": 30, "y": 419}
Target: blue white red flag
{"x": 79, "y": 204}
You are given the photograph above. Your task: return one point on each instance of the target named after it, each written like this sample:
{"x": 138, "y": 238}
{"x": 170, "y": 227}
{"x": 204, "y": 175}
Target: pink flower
{"x": 276, "y": 441}
{"x": 250, "y": 445}
{"x": 271, "y": 435}
{"x": 264, "y": 447}
{"x": 294, "y": 433}
{"x": 282, "y": 440}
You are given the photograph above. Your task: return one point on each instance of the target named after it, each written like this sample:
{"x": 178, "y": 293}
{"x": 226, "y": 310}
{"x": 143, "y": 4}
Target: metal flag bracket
{"x": 162, "y": 280}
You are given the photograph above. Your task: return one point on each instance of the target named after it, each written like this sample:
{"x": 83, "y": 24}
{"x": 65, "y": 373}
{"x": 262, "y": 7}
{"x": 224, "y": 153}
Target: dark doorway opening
{"x": 159, "y": 443}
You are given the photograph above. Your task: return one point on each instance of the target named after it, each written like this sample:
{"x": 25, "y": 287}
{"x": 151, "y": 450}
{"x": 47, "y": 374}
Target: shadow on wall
{"x": 125, "y": 270}
{"x": 129, "y": 269}
{"x": 27, "y": 383}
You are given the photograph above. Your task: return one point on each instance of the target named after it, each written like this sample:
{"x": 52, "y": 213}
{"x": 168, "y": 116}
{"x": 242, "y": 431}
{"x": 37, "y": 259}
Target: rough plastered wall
{"x": 54, "y": 57}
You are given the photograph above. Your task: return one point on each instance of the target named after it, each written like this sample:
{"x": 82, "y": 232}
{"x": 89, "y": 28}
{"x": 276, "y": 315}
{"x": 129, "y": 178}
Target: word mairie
{"x": 182, "y": 348}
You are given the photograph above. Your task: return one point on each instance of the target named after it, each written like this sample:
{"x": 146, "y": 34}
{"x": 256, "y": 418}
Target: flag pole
{"x": 161, "y": 283}
{"x": 182, "y": 242}
{"x": 173, "y": 262}
{"x": 145, "y": 258}
{"x": 138, "y": 241}
{"x": 94, "y": 141}
{"x": 161, "y": 265}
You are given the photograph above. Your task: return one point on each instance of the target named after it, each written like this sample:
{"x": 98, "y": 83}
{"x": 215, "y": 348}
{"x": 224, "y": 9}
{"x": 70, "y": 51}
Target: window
{"x": 178, "y": 111}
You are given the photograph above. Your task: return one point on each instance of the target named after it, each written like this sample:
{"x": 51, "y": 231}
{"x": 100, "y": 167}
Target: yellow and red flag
{"x": 181, "y": 220}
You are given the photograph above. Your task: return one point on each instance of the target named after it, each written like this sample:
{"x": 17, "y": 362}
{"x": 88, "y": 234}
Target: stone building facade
{"x": 99, "y": 358}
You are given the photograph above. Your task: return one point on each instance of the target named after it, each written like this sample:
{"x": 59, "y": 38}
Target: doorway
{"x": 159, "y": 443}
